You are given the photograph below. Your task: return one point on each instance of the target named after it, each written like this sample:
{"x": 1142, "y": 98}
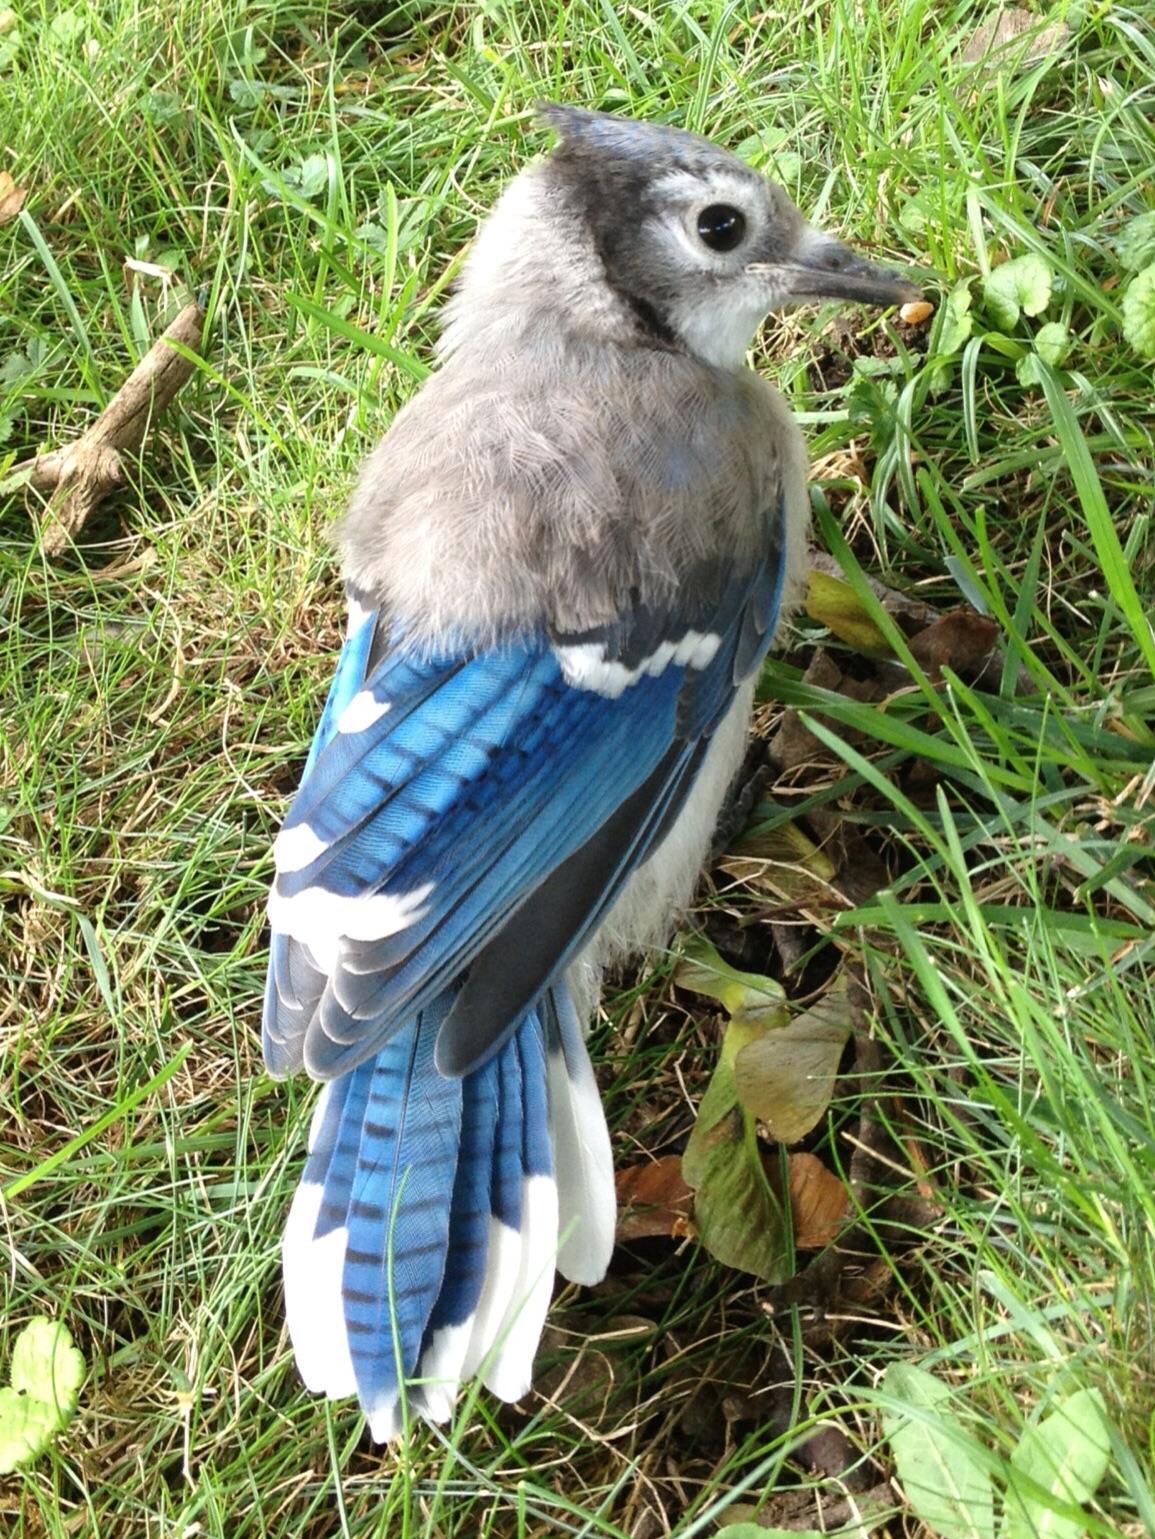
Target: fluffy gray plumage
{"x": 592, "y": 433}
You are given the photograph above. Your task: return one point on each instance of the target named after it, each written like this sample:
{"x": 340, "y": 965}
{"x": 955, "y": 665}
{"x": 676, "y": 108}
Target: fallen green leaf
{"x": 27, "y": 1426}
{"x": 746, "y": 1524}
{"x": 919, "y": 210}
{"x": 786, "y": 1077}
{"x": 67, "y": 26}
{"x": 309, "y": 177}
{"x": 936, "y": 1458}
{"x": 956, "y": 321}
{"x": 954, "y": 327}
{"x": 1052, "y": 344}
{"x": 749, "y": 995}
{"x": 1135, "y": 242}
{"x": 782, "y": 862}
{"x": 1066, "y": 1456}
{"x": 756, "y": 1531}
{"x": 836, "y": 605}
{"x": 47, "y": 1365}
{"x": 786, "y": 844}
{"x": 739, "y": 1219}
{"x": 47, "y": 1372}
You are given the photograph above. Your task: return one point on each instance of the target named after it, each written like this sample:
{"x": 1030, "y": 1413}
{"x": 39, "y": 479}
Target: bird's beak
{"x": 826, "y": 269}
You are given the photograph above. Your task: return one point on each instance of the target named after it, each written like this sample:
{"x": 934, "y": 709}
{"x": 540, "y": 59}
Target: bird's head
{"x": 695, "y": 238}
{"x": 638, "y": 225}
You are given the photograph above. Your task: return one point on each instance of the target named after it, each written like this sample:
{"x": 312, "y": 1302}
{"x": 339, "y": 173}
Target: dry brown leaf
{"x": 581, "y": 1378}
{"x": 11, "y": 197}
{"x": 782, "y": 861}
{"x": 962, "y": 641}
{"x": 860, "y": 871}
{"x": 653, "y": 1199}
{"x": 793, "y": 743}
{"x": 994, "y": 42}
{"x": 819, "y": 1202}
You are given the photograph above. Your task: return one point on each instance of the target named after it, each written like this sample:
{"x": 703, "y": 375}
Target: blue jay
{"x": 565, "y": 563}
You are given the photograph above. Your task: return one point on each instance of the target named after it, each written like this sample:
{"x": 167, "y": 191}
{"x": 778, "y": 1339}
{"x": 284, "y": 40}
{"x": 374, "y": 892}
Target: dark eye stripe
{"x": 721, "y": 226}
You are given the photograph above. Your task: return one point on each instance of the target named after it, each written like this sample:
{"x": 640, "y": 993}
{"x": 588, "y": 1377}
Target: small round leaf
{"x": 27, "y": 1426}
{"x": 1139, "y": 312}
{"x": 48, "y": 1366}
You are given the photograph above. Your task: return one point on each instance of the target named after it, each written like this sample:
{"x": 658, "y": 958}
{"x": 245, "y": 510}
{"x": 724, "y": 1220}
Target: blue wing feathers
{"x": 333, "y": 1162}
{"x": 459, "y": 792}
{"x": 375, "y": 836}
{"x": 483, "y": 844}
{"x": 475, "y": 894}
{"x": 473, "y": 707}
{"x": 326, "y": 1131}
{"x": 293, "y": 991}
{"x": 348, "y": 678}
{"x": 536, "y": 1155}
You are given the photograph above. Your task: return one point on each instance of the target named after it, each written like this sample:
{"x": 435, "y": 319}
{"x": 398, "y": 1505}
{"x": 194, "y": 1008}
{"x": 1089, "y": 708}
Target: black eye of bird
{"x": 722, "y": 226}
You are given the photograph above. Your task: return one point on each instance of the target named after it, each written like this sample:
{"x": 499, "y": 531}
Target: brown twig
{"x": 80, "y": 475}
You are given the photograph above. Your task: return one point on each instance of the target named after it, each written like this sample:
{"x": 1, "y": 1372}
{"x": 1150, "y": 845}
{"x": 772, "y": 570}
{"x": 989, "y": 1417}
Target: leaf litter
{"x": 800, "y": 1169}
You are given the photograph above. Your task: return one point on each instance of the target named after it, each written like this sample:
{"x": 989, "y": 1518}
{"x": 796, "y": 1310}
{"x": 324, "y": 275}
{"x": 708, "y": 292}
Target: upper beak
{"x": 826, "y": 269}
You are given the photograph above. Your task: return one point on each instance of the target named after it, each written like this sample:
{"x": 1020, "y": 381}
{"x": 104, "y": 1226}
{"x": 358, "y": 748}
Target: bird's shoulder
{"x": 540, "y": 486}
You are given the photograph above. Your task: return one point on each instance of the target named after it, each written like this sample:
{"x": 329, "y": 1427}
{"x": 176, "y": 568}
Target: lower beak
{"x": 829, "y": 270}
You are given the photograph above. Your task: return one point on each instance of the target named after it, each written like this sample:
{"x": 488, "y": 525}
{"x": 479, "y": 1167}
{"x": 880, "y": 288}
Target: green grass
{"x": 314, "y": 171}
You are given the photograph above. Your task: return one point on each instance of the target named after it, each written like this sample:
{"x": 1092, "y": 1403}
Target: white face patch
{"x": 719, "y": 326}
{"x": 688, "y": 195}
{"x": 585, "y": 666}
{"x": 724, "y": 295}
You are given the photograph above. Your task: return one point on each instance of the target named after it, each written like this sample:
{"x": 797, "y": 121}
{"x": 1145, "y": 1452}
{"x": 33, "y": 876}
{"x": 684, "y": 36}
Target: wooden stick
{"x": 80, "y": 475}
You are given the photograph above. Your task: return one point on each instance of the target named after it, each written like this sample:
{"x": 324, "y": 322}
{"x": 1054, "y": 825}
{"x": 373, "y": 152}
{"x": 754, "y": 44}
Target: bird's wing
{"x": 466, "y": 820}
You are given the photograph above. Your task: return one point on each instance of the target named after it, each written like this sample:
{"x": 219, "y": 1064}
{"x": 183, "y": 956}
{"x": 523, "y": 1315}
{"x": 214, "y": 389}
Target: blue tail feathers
{"x": 422, "y": 1240}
